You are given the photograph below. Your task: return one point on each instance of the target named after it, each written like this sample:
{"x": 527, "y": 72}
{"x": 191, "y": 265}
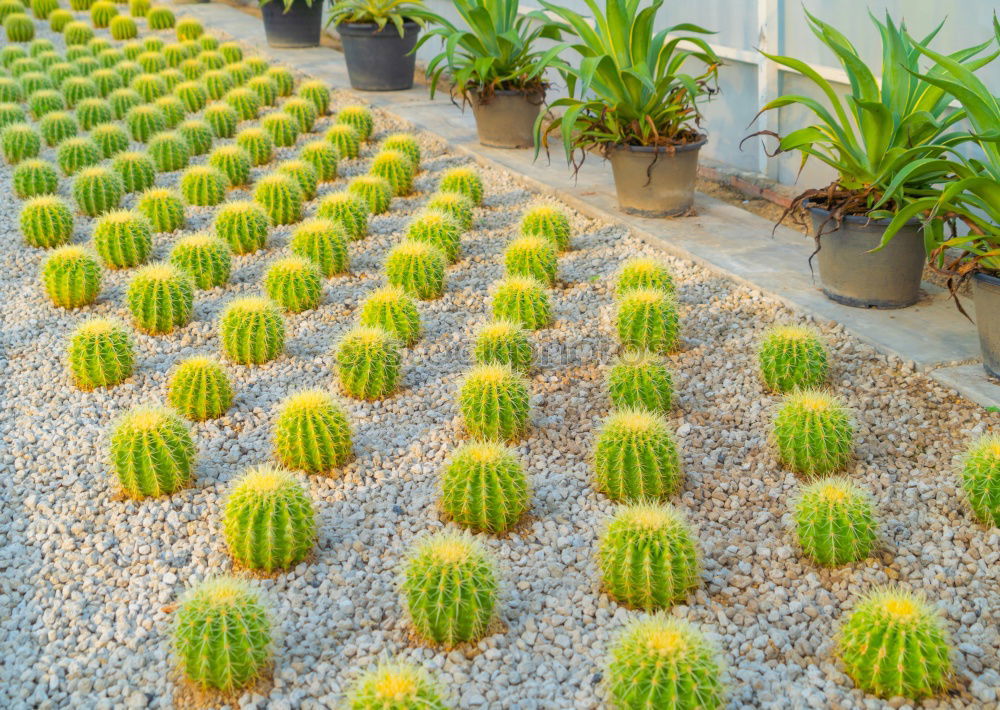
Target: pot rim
{"x": 511, "y": 92}
{"x": 364, "y": 27}
{"x": 854, "y": 218}
{"x": 662, "y": 149}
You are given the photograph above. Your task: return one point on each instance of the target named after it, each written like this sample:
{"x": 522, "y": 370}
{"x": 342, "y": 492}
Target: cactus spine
{"x": 163, "y": 208}
{"x": 303, "y": 173}
{"x": 222, "y": 118}
{"x": 197, "y": 134}
{"x": 19, "y": 142}
{"x": 303, "y": 111}
{"x": 324, "y": 243}
{"x": 199, "y": 389}
{"x": 483, "y": 487}
{"x": 464, "y": 181}
{"x": 71, "y": 276}
{"x": 123, "y": 238}
{"x": 640, "y": 380}
{"x": 122, "y": 101}
{"x": 392, "y": 310}
{"x": 203, "y": 185}
{"x": 265, "y": 90}
{"x": 56, "y": 127}
{"x": 242, "y": 225}
{"x": 368, "y": 363}
{"x": 417, "y": 268}
{"x": 46, "y": 222}
{"x": 792, "y": 357}
{"x": 244, "y": 101}
{"x": 318, "y": 94}
{"x": 110, "y": 138}
{"x": 251, "y": 331}
{"x": 395, "y": 686}
{"x": 495, "y": 403}
{"x": 523, "y": 301}
{"x": 835, "y": 522}
{"x": 644, "y": 273}
{"x": 145, "y": 121}
{"x": 282, "y": 78}
{"x": 100, "y": 354}
{"x": 548, "y": 222}
{"x": 405, "y": 144}
{"x": 152, "y": 453}
{"x": 439, "y": 230}
{"x": 204, "y": 257}
{"x": 647, "y": 319}
{"x": 312, "y": 433}
{"x": 813, "y": 433}
{"x": 346, "y": 210}
{"x": 281, "y": 198}
{"x": 635, "y": 457}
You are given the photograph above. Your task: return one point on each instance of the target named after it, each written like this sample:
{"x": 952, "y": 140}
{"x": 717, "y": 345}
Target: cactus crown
{"x": 644, "y": 273}
{"x": 400, "y": 686}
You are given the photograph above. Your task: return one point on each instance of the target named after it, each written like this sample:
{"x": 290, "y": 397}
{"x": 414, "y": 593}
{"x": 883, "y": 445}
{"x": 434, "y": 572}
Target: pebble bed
{"x": 87, "y": 578}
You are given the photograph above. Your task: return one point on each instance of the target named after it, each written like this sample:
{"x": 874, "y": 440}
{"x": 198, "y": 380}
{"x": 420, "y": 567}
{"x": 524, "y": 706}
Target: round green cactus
{"x": 192, "y": 94}
{"x": 549, "y": 222}
{"x": 494, "y": 402}
{"x": 522, "y": 300}
{"x": 294, "y": 283}
{"x": 217, "y": 83}
{"x": 189, "y": 28}
{"x": 347, "y": 210}
{"x": 359, "y": 118}
{"x": 457, "y": 206}
{"x": 813, "y": 434}
{"x": 231, "y": 52}
{"x": 204, "y": 257}
{"x": 33, "y": 178}
{"x": 152, "y": 453}
{"x": 282, "y": 78}
{"x": 81, "y": 5}
{"x": 283, "y": 129}
{"x": 374, "y": 192}
{"x": 169, "y": 151}
{"x": 128, "y": 70}
{"x": 57, "y": 126}
{"x": 77, "y": 33}
{"x": 93, "y": 112}
{"x": 123, "y": 27}
{"x": 417, "y": 268}
{"x": 322, "y": 157}
{"x": 101, "y": 13}
{"x": 503, "y": 343}
{"x": 11, "y": 52}
{"x": 108, "y": 59}
{"x": 647, "y": 319}
{"x": 159, "y": 18}
{"x": 100, "y": 354}
{"x": 122, "y": 101}
{"x": 244, "y": 101}
{"x": 71, "y": 276}
{"x": 792, "y": 357}
{"x": 395, "y": 686}
{"x": 10, "y": 90}
{"x": 464, "y": 181}
{"x": 163, "y": 208}
{"x": 32, "y": 75}
{"x": 58, "y": 19}
{"x": 19, "y": 27}
{"x": 203, "y": 186}
{"x": 149, "y": 86}
{"x": 75, "y": 154}
{"x": 160, "y": 298}
{"x": 144, "y": 122}
{"x": 198, "y": 135}
{"x": 281, "y": 198}
{"x": 11, "y": 113}
{"x": 324, "y": 243}
{"x": 664, "y": 662}
{"x": 106, "y": 81}
{"x": 42, "y": 102}
{"x": 405, "y": 144}
{"x": 41, "y": 9}
{"x": 222, "y": 118}
{"x": 211, "y": 59}
{"x": 46, "y": 221}
{"x": 233, "y": 162}
{"x": 392, "y": 310}
{"x": 532, "y": 257}
{"x": 199, "y": 389}
{"x": 303, "y": 173}
{"x": 640, "y": 380}
{"x": 252, "y": 331}
{"x": 316, "y": 92}
{"x": 483, "y": 487}
{"x": 222, "y": 636}
{"x": 20, "y": 142}
{"x": 980, "y": 477}
{"x": 635, "y": 457}
{"x": 175, "y": 53}
{"x": 345, "y": 139}
{"x": 135, "y": 170}
{"x": 439, "y": 230}
{"x": 239, "y": 72}
{"x": 648, "y": 556}
{"x": 257, "y": 143}
{"x": 242, "y": 225}
{"x": 368, "y": 363}
{"x": 303, "y": 111}
{"x": 644, "y": 273}
{"x": 209, "y": 43}
{"x": 110, "y": 138}
{"x": 835, "y": 521}
{"x": 396, "y": 169}
{"x": 124, "y": 239}
{"x": 139, "y": 8}
{"x": 312, "y": 433}
{"x": 450, "y": 584}
{"x": 173, "y": 110}
{"x": 895, "y": 645}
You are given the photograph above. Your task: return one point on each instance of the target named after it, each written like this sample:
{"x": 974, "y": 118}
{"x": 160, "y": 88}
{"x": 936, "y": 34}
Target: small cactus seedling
{"x": 503, "y": 343}
{"x": 204, "y": 257}
{"x": 483, "y": 487}
{"x": 323, "y": 157}
{"x": 316, "y": 92}
{"x": 392, "y": 310}
{"x": 532, "y": 257}
{"x": 222, "y": 118}
{"x": 303, "y": 111}
{"x": 395, "y": 686}
{"x": 464, "y": 181}
{"x": 203, "y": 185}
{"x": 813, "y": 433}
{"x": 346, "y": 210}
{"x": 405, "y": 144}
{"x": 198, "y": 135}
{"x": 145, "y": 121}
{"x": 269, "y": 522}
{"x": 457, "y": 206}
{"x": 199, "y": 389}
{"x": 75, "y": 154}
{"x": 664, "y": 662}
{"x": 110, "y": 138}
{"x": 439, "y": 230}
{"x": 122, "y": 101}
{"x": 345, "y": 139}
{"x": 19, "y": 27}
{"x": 648, "y": 556}
{"x": 450, "y": 585}
{"x": 222, "y": 636}
{"x": 242, "y": 225}
{"x": 324, "y": 243}
{"x": 647, "y": 319}
{"x": 251, "y": 331}
{"x": 57, "y": 126}
{"x": 281, "y": 198}
{"x": 163, "y": 208}
{"x": 635, "y": 457}
{"x": 233, "y": 162}
{"x": 33, "y": 178}
{"x": 152, "y": 452}
{"x": 257, "y": 143}
{"x": 71, "y": 276}
{"x": 980, "y": 477}
{"x": 192, "y": 94}
{"x": 312, "y": 433}
{"x": 160, "y": 298}
{"x": 149, "y": 86}
{"x": 417, "y": 268}
{"x": 244, "y": 101}
{"x": 368, "y": 363}
{"x": 396, "y": 169}
{"x": 294, "y": 283}
{"x": 188, "y": 28}
{"x": 895, "y": 645}
{"x": 265, "y": 89}
{"x": 283, "y": 128}
{"x": 20, "y": 142}
{"x": 135, "y": 170}
{"x": 792, "y": 357}
{"x": 522, "y": 300}
{"x": 495, "y": 403}
{"x": 641, "y": 380}
{"x": 169, "y": 151}
{"x": 46, "y": 222}
{"x": 123, "y": 238}
{"x": 100, "y": 354}
{"x": 303, "y": 173}
{"x": 359, "y": 118}
{"x": 123, "y": 27}
{"x": 373, "y": 191}
{"x": 283, "y": 78}
{"x": 160, "y": 17}
{"x": 643, "y": 273}
{"x": 835, "y": 521}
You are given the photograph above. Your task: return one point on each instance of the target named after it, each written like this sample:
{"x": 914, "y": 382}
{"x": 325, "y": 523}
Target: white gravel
{"x": 85, "y": 576}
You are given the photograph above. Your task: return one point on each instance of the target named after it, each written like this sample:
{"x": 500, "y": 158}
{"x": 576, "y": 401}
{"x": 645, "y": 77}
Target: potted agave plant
{"x": 292, "y": 23}
{"x": 379, "y": 57}
{"x": 631, "y": 98}
{"x": 886, "y": 144}
{"x": 497, "y": 67}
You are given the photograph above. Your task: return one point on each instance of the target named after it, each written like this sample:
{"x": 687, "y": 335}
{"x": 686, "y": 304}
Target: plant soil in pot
{"x": 986, "y": 293}
{"x": 298, "y": 27}
{"x": 379, "y": 59}
{"x": 854, "y": 275}
{"x": 655, "y": 181}
{"x": 506, "y": 118}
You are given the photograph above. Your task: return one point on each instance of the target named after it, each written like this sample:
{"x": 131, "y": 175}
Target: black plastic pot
{"x": 854, "y": 275}
{"x": 299, "y": 27}
{"x": 986, "y": 293}
{"x": 653, "y": 181}
{"x": 379, "y": 60}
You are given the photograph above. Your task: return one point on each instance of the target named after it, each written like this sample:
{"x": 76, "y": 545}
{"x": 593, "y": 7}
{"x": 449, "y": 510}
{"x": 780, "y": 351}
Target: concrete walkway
{"x": 932, "y": 335}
